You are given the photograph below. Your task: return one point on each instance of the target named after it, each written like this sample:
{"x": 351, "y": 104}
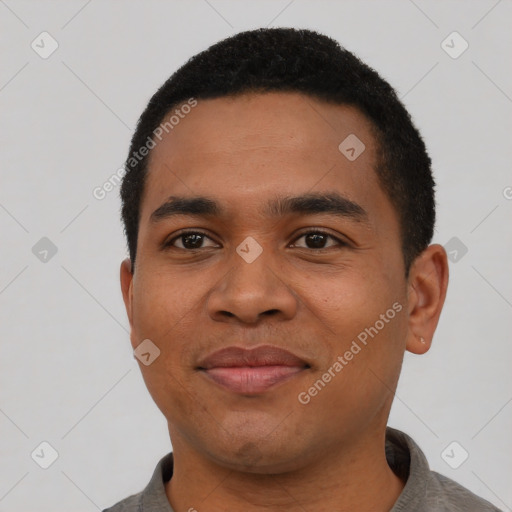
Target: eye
{"x": 317, "y": 240}
{"x": 191, "y": 240}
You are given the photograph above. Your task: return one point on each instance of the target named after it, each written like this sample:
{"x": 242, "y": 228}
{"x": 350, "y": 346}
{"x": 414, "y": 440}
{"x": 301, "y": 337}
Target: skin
{"x": 269, "y": 451}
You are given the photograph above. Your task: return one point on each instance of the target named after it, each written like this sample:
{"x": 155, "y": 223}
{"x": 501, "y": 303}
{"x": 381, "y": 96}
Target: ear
{"x": 427, "y": 284}
{"x": 127, "y": 288}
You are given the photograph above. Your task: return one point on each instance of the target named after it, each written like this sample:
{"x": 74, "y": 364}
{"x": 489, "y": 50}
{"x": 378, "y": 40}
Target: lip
{"x": 251, "y": 371}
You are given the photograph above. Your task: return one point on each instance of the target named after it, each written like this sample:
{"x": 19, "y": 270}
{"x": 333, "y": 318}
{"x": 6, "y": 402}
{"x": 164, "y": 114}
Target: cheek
{"x": 346, "y": 301}
{"x": 355, "y": 386}
{"x": 364, "y": 322}
{"x": 166, "y": 309}
{"x": 165, "y": 316}
{"x": 163, "y": 302}
{"x": 171, "y": 394}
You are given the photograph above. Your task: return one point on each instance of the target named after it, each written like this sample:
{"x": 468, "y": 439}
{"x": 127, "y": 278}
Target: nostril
{"x": 271, "y": 312}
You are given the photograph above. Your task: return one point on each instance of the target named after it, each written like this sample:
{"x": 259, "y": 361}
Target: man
{"x": 279, "y": 205}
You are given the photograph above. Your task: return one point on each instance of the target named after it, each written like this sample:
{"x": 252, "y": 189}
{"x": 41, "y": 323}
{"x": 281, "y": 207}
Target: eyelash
{"x": 339, "y": 242}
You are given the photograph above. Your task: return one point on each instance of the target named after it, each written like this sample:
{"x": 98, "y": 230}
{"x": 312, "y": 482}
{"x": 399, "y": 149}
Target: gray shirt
{"x": 424, "y": 491}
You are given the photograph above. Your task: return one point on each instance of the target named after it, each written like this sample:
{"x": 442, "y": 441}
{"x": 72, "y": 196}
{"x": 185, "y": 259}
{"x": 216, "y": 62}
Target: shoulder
{"x": 153, "y": 497}
{"x": 130, "y": 504}
{"x": 426, "y": 490}
{"x": 453, "y": 497}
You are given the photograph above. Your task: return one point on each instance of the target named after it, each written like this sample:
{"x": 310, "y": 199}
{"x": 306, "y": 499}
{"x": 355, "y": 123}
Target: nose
{"x": 250, "y": 292}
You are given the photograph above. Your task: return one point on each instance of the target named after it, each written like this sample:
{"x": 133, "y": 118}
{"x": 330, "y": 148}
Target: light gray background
{"x": 67, "y": 375}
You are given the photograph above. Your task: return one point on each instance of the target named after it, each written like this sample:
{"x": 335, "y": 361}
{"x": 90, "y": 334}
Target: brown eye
{"x": 317, "y": 240}
{"x": 192, "y": 240}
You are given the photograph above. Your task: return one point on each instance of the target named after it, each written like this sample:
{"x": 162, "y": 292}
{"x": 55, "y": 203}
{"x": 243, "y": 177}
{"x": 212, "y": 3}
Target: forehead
{"x": 243, "y": 149}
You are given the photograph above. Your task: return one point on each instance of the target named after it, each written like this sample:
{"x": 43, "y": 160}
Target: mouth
{"x": 251, "y": 371}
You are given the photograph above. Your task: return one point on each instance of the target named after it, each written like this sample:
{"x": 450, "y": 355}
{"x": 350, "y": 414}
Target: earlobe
{"x": 419, "y": 345}
{"x": 427, "y": 285}
{"x": 126, "y": 277}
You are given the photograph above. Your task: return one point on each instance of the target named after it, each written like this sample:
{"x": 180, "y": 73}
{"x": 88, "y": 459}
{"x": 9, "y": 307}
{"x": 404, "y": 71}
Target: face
{"x": 270, "y": 276}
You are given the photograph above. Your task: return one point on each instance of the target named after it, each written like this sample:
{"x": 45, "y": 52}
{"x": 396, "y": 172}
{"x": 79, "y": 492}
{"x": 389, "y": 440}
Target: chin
{"x": 250, "y": 459}
{"x": 252, "y": 454}
{"x": 250, "y": 440}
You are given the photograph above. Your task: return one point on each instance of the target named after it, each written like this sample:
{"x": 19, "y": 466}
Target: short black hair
{"x": 301, "y": 61}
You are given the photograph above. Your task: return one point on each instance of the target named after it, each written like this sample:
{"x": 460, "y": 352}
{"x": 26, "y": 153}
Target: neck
{"x": 354, "y": 477}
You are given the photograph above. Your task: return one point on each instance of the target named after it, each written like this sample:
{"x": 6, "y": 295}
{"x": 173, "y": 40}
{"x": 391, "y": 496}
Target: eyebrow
{"x": 318, "y": 203}
{"x": 311, "y": 203}
{"x": 185, "y": 206}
